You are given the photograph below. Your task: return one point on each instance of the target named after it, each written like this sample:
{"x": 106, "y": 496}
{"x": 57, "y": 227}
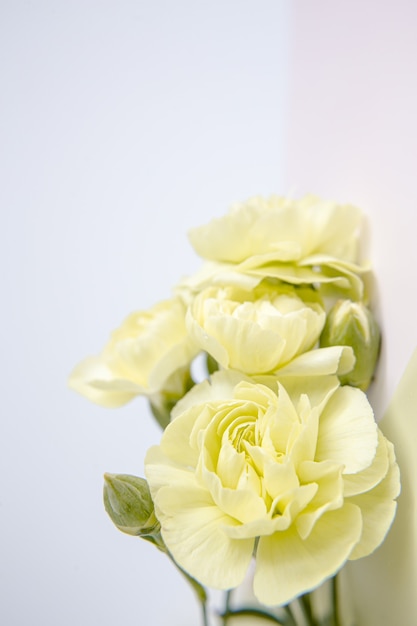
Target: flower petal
{"x": 347, "y": 431}
{"x": 378, "y": 509}
{"x": 220, "y": 387}
{"x": 361, "y": 482}
{"x": 198, "y": 543}
{"x": 321, "y": 362}
{"x": 287, "y": 566}
{"x": 95, "y": 381}
{"x": 192, "y": 525}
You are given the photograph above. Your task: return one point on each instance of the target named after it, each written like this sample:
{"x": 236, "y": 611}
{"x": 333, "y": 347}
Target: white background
{"x": 122, "y": 124}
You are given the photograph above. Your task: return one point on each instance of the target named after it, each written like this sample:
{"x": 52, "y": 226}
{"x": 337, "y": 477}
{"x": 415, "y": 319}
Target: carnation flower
{"x": 146, "y": 355}
{"x": 300, "y": 477}
{"x": 256, "y": 332}
{"x": 273, "y": 470}
{"x": 297, "y": 241}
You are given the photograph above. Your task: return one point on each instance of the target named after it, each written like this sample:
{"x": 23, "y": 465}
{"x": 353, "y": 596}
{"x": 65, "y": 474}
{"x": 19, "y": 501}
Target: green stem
{"x": 198, "y": 589}
{"x": 251, "y": 612}
{"x": 290, "y": 621}
{"x": 204, "y": 613}
{"x": 335, "y": 598}
{"x": 305, "y": 602}
{"x": 226, "y": 607}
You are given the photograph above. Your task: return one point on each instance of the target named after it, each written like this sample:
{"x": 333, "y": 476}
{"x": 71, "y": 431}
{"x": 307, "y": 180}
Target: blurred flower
{"x": 149, "y": 354}
{"x": 301, "y": 476}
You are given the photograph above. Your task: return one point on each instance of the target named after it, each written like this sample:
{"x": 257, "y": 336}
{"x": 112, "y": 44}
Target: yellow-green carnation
{"x": 146, "y": 355}
{"x": 299, "y": 476}
{"x": 255, "y": 332}
{"x": 297, "y": 241}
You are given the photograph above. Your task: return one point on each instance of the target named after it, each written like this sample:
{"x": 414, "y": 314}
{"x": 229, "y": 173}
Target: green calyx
{"x": 129, "y": 504}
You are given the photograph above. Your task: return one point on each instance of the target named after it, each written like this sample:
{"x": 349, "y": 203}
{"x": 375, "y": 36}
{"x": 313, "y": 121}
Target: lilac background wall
{"x": 352, "y": 136}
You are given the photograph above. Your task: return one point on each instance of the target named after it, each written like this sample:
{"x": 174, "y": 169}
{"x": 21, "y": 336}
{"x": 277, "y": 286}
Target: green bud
{"x": 352, "y": 324}
{"x": 128, "y": 502}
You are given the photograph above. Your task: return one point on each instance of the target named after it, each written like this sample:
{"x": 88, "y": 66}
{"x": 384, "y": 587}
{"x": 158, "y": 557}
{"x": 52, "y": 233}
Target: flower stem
{"x": 226, "y": 612}
{"x": 198, "y": 589}
{"x": 290, "y": 616}
{"x": 305, "y": 602}
{"x": 252, "y": 612}
{"x": 335, "y": 598}
{"x": 204, "y": 613}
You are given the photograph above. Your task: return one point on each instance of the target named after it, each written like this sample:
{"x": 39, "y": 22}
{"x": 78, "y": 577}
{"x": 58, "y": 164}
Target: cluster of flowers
{"x": 276, "y": 455}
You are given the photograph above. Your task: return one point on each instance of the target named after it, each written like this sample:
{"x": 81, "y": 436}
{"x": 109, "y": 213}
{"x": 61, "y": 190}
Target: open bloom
{"x": 297, "y": 241}
{"x": 299, "y": 476}
{"x": 255, "y": 332}
{"x": 146, "y": 355}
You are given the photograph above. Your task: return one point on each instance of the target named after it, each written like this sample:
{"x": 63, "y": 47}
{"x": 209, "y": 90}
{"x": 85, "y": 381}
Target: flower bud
{"x": 352, "y": 324}
{"x": 128, "y": 502}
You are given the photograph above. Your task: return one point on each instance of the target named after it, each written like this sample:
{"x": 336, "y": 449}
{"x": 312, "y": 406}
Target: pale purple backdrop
{"x": 352, "y": 136}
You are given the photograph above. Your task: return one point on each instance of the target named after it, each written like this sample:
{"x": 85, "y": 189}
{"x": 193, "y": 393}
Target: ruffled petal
{"x": 347, "y": 432}
{"x": 287, "y": 566}
{"x": 361, "y": 482}
{"x": 192, "y": 525}
{"x": 321, "y": 362}
{"x": 96, "y": 381}
{"x": 378, "y": 509}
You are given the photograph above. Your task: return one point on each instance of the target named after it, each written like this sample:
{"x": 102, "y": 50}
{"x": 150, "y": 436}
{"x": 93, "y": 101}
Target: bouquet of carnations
{"x": 272, "y": 462}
